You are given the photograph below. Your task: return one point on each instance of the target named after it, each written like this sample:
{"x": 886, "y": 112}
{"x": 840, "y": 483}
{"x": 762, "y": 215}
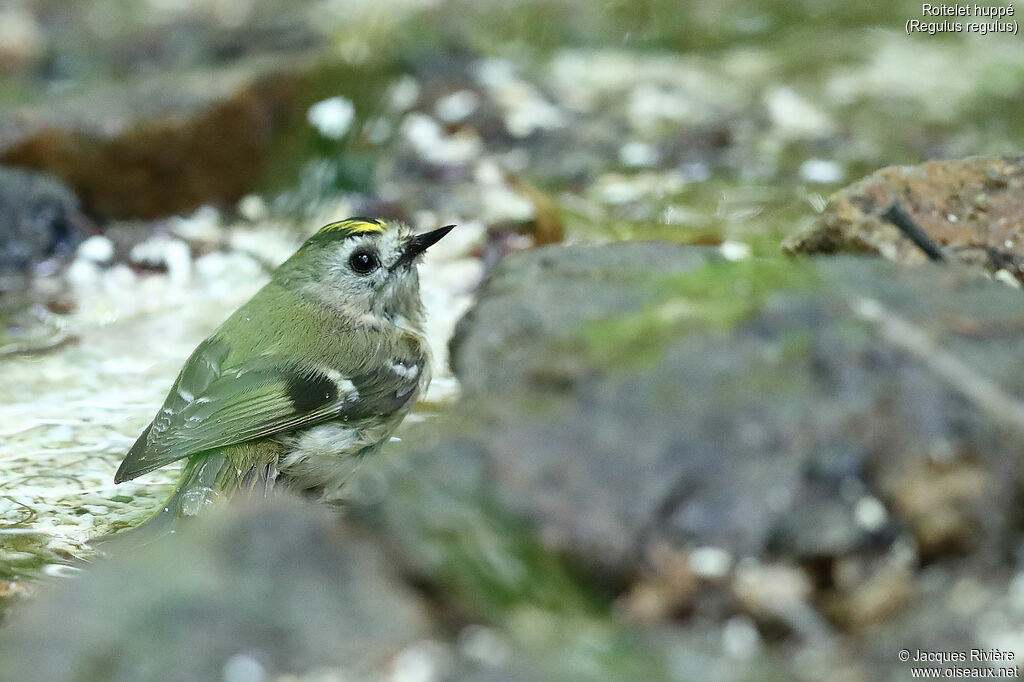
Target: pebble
{"x": 638, "y": 155}
{"x": 734, "y": 251}
{"x": 252, "y": 207}
{"x": 423, "y": 661}
{"x": 710, "y": 562}
{"x": 456, "y": 106}
{"x": 243, "y": 667}
{"x": 172, "y": 253}
{"x": 484, "y": 645}
{"x": 870, "y": 513}
{"x": 403, "y": 93}
{"x": 332, "y": 117}
{"x": 651, "y": 105}
{"x": 22, "y": 41}
{"x": 822, "y": 171}
{"x": 96, "y": 249}
{"x": 427, "y": 138}
{"x": 794, "y": 116}
{"x": 740, "y": 638}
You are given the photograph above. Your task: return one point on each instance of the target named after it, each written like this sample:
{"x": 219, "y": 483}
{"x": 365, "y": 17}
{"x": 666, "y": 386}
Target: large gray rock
{"x": 252, "y": 594}
{"x": 791, "y": 441}
{"x": 617, "y": 412}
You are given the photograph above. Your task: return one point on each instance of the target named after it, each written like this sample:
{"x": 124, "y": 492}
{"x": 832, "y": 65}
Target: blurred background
{"x": 657, "y": 447}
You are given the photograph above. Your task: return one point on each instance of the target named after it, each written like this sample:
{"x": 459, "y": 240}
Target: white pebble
{"x": 531, "y": 114}
{"x": 332, "y": 117}
{"x": 457, "y": 106}
{"x": 650, "y": 105}
{"x": 243, "y": 668}
{"x": 484, "y": 645}
{"x": 638, "y": 154}
{"x": 795, "y": 116}
{"x": 203, "y": 225}
{"x": 494, "y": 72}
{"x": 97, "y": 249}
{"x": 870, "y": 513}
{"x": 710, "y": 562}
{"x": 740, "y": 638}
{"x": 378, "y": 130}
{"x": 427, "y": 137}
{"x": 82, "y": 274}
{"x": 252, "y": 207}
{"x": 501, "y": 204}
{"x": 420, "y": 662}
{"x": 403, "y": 93}
{"x": 821, "y": 171}
{"x": 734, "y": 251}
{"x": 172, "y": 253}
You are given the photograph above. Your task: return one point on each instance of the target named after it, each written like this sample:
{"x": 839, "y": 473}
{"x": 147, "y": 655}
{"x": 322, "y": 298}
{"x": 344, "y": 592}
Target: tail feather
{"x": 213, "y": 476}
{"x": 198, "y": 487}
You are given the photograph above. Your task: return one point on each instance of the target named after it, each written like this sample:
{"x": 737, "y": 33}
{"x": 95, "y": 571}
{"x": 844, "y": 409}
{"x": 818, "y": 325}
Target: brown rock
{"x": 969, "y": 205}
{"x": 168, "y": 144}
{"x": 668, "y": 588}
{"x": 868, "y": 592}
{"x": 939, "y": 499}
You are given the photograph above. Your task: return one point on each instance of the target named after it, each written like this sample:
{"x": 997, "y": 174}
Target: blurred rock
{"x": 973, "y": 208}
{"x": 40, "y": 218}
{"x": 631, "y": 402}
{"x": 22, "y": 42}
{"x": 253, "y": 593}
{"x": 171, "y": 142}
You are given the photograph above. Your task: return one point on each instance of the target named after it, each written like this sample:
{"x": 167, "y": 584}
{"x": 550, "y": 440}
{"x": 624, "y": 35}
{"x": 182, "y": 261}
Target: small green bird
{"x": 301, "y": 383}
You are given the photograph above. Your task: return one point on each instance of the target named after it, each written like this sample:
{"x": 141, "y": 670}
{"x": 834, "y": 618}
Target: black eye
{"x": 364, "y": 262}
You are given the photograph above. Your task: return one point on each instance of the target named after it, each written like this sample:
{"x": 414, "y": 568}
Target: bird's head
{"x": 364, "y": 266}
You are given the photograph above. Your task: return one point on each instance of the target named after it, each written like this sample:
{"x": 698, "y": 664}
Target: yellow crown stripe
{"x": 354, "y": 226}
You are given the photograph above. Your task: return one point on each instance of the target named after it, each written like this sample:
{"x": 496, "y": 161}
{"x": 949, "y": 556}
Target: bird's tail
{"x": 211, "y": 477}
{"x": 202, "y": 483}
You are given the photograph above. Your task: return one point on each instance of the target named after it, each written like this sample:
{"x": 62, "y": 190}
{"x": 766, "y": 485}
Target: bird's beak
{"x": 420, "y": 243}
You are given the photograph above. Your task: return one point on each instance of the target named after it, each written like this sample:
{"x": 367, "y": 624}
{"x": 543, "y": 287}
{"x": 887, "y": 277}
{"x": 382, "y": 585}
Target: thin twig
{"x": 898, "y": 217}
{"x": 986, "y": 394}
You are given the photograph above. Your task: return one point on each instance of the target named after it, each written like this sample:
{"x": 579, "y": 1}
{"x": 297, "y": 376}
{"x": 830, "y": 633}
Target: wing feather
{"x": 211, "y": 407}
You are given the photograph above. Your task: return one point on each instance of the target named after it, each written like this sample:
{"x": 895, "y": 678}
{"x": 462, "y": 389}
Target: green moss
{"x": 714, "y": 297}
{"x": 492, "y": 568}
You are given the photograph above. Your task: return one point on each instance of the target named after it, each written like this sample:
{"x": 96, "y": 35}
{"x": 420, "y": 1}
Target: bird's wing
{"x": 211, "y": 406}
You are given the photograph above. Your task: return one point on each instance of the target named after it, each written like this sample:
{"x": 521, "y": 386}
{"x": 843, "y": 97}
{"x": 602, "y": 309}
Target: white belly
{"x": 325, "y": 456}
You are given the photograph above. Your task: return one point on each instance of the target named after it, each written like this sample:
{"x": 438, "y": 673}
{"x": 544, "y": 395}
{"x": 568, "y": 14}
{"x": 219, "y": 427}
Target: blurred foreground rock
{"x": 655, "y": 423}
{"x": 825, "y": 452}
{"x": 247, "y": 594}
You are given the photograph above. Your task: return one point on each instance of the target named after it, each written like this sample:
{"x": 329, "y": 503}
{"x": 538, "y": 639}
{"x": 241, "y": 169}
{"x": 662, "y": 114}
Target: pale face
{"x": 366, "y": 273}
